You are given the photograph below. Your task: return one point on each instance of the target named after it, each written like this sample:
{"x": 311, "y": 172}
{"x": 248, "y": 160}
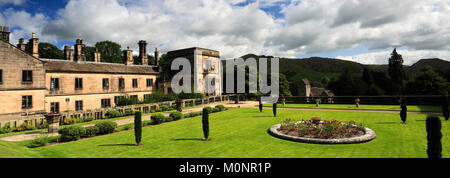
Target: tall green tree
{"x": 434, "y": 136}
{"x": 367, "y": 78}
{"x": 89, "y": 51}
{"x": 205, "y": 123}
{"x": 396, "y": 70}
{"x": 47, "y": 50}
{"x": 427, "y": 82}
{"x": 110, "y": 51}
{"x": 284, "y": 86}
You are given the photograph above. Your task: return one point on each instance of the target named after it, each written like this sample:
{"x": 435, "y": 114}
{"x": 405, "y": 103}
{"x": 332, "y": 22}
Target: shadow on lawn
{"x": 388, "y": 123}
{"x": 119, "y": 145}
{"x": 187, "y": 139}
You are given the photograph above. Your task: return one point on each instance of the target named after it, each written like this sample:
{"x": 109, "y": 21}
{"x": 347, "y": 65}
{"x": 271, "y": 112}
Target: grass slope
{"x": 242, "y": 133}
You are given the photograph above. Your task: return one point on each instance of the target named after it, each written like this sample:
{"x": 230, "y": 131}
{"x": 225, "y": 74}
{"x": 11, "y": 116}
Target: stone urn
{"x": 316, "y": 120}
{"x": 53, "y": 122}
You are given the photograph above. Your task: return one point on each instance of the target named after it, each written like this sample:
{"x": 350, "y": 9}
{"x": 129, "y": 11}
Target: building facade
{"x": 206, "y": 67}
{"x": 32, "y": 85}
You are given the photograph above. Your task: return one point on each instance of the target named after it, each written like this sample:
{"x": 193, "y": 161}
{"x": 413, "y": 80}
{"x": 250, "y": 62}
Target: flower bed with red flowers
{"x": 322, "y": 130}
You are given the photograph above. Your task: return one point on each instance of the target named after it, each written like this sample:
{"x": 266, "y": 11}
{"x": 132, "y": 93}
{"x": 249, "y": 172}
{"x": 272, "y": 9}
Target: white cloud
{"x": 308, "y": 26}
{"x": 13, "y": 2}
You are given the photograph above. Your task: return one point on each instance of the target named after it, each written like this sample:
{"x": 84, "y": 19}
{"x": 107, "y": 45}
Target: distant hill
{"x": 315, "y": 68}
{"x": 438, "y": 65}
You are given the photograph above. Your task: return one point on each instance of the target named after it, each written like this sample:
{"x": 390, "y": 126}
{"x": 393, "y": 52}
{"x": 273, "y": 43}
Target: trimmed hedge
{"x": 176, "y": 115}
{"x": 91, "y": 131}
{"x": 220, "y": 107}
{"x": 71, "y": 133}
{"x": 106, "y": 127}
{"x": 158, "y": 118}
{"x": 209, "y": 109}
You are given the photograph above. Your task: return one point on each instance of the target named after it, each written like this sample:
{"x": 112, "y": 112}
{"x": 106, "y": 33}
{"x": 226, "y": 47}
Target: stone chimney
{"x": 4, "y": 34}
{"x": 143, "y": 52}
{"x": 156, "y": 57}
{"x": 128, "y": 56}
{"x": 79, "y": 52}
{"x": 21, "y": 45}
{"x": 96, "y": 56}
{"x": 34, "y": 42}
{"x": 68, "y": 53}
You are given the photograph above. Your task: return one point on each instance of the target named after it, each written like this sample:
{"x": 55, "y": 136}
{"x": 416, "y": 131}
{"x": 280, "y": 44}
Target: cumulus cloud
{"x": 305, "y": 27}
{"x": 13, "y": 2}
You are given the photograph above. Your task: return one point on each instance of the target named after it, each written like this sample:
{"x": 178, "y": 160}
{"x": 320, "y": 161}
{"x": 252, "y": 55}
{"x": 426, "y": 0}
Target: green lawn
{"x": 242, "y": 133}
{"x": 361, "y": 107}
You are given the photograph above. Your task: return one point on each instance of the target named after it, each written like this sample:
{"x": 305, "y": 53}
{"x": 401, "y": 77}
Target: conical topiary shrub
{"x": 275, "y": 109}
{"x": 138, "y": 127}
{"x": 445, "y": 110}
{"x": 260, "y": 105}
{"x": 434, "y": 136}
{"x": 205, "y": 121}
{"x": 403, "y": 112}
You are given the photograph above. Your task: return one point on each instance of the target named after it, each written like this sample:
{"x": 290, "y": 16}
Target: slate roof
{"x": 53, "y": 65}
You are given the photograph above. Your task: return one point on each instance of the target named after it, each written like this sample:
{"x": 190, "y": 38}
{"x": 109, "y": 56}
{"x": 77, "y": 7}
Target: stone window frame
{"x": 27, "y": 76}
{"x": 105, "y": 83}
{"x": 106, "y": 103}
{"x": 121, "y": 83}
{"x": 27, "y": 102}
{"x": 54, "y": 107}
{"x": 150, "y": 82}
{"x": 54, "y": 84}
{"x": 79, "y": 105}
{"x": 135, "y": 83}
{"x": 78, "y": 83}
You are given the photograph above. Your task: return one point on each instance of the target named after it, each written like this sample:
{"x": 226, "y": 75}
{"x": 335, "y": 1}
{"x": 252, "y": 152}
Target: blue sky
{"x": 364, "y": 32}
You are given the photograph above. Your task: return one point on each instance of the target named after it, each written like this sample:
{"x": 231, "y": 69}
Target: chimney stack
{"x": 34, "y": 42}
{"x": 4, "y": 34}
{"x": 21, "y": 44}
{"x": 143, "y": 52}
{"x": 68, "y": 53}
{"x": 96, "y": 56}
{"x": 79, "y": 53}
{"x": 156, "y": 57}
{"x": 128, "y": 56}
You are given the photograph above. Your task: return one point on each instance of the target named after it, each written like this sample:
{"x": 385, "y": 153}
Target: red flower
{"x": 335, "y": 129}
{"x": 345, "y": 130}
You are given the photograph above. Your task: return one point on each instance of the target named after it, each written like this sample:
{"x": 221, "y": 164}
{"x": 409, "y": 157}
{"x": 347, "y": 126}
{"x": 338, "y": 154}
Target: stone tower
{"x": 156, "y": 57}
{"x": 143, "y": 52}
{"x": 34, "y": 45}
{"x": 79, "y": 53}
{"x": 21, "y": 45}
{"x": 96, "y": 56}
{"x": 68, "y": 53}
{"x": 4, "y": 34}
{"x": 128, "y": 56}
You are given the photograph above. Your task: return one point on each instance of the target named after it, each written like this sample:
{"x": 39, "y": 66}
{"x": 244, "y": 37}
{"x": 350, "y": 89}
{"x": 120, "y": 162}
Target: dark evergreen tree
{"x": 205, "y": 122}
{"x": 403, "y": 112}
{"x": 138, "y": 127}
{"x": 396, "y": 70}
{"x": 260, "y": 105}
{"x": 434, "y": 136}
{"x": 275, "y": 109}
{"x": 427, "y": 82}
{"x": 445, "y": 109}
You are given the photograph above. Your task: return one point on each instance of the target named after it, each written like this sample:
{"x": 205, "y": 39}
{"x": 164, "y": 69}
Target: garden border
{"x": 369, "y": 136}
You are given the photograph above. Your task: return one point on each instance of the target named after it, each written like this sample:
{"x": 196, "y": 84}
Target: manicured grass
{"x": 361, "y": 107}
{"x": 242, "y": 133}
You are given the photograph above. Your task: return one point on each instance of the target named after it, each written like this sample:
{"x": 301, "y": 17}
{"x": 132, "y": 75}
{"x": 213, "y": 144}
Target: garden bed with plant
{"x": 322, "y": 132}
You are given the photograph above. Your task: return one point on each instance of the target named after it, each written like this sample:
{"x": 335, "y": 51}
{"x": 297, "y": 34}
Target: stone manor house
{"x": 32, "y": 85}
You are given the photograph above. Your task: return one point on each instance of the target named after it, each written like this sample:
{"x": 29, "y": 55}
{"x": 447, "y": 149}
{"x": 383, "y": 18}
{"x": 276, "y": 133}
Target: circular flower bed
{"x": 325, "y": 132}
